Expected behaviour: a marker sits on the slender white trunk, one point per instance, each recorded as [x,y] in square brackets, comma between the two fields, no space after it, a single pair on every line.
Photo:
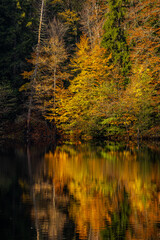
[35,70]
[89,29]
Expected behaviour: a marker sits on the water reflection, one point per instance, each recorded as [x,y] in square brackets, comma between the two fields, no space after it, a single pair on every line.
[113,194]
[85,192]
[15,220]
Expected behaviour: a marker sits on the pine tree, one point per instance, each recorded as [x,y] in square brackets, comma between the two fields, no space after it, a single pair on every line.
[114,37]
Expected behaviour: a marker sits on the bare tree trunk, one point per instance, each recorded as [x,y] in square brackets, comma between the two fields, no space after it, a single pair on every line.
[54,88]
[89,29]
[35,70]
[54,100]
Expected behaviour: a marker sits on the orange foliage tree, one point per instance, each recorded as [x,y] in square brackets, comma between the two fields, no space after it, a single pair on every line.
[143,36]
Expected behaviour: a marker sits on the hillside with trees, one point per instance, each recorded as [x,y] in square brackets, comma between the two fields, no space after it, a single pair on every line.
[82,70]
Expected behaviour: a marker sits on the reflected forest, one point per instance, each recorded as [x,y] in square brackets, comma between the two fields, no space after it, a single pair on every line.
[80,192]
[80,119]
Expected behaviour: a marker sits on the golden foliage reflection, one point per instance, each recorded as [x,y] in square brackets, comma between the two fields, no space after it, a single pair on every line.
[96,182]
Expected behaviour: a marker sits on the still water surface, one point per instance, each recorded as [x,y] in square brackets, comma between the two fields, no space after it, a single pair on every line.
[80,192]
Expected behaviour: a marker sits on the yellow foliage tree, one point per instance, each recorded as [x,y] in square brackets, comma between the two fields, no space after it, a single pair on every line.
[136,104]
[90,74]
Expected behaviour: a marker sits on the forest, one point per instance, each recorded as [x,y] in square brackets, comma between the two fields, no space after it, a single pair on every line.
[79,69]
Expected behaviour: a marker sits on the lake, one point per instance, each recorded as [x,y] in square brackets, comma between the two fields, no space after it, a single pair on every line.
[80,192]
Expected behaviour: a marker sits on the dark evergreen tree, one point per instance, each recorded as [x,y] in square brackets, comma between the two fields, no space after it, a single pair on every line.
[114,38]
[17,22]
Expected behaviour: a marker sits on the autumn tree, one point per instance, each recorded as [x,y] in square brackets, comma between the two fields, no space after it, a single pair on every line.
[91,72]
[92,18]
[51,75]
[136,104]
[144,40]
[143,18]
